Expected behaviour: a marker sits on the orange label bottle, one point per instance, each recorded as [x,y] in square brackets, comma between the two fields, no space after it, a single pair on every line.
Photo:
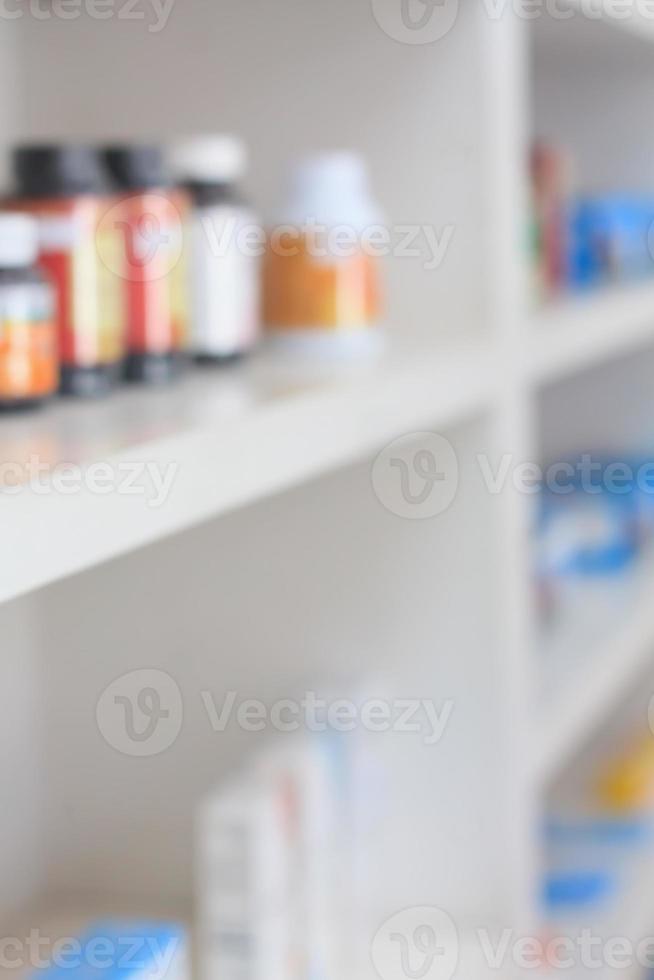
[149,260]
[321,286]
[64,188]
[29,362]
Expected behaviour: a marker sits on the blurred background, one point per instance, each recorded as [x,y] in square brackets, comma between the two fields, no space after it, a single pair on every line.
[326,489]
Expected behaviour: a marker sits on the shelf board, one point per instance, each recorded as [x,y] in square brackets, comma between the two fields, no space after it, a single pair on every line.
[230,437]
[580,332]
[587,673]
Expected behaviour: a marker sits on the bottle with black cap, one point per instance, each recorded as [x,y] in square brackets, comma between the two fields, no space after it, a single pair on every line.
[66,189]
[151,214]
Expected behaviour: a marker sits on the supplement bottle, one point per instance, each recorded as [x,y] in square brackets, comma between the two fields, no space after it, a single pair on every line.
[66,188]
[321,284]
[151,216]
[225,246]
[29,364]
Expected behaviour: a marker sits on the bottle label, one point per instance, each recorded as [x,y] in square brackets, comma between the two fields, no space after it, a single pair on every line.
[28,342]
[140,241]
[225,281]
[304,289]
[89,309]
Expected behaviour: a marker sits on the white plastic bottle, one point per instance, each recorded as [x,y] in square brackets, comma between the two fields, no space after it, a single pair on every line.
[223,260]
[321,273]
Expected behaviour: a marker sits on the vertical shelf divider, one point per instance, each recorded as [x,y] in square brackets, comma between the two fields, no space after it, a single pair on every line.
[506,135]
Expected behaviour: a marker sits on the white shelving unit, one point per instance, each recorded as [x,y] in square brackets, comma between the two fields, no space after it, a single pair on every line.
[589,673]
[272,564]
[263,428]
[574,335]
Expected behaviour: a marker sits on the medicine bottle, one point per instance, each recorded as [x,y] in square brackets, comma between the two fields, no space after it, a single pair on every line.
[151,215]
[29,365]
[66,189]
[321,280]
[226,243]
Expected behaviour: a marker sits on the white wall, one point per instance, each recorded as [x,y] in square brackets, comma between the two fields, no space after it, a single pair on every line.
[592,94]
[291,76]
[11,68]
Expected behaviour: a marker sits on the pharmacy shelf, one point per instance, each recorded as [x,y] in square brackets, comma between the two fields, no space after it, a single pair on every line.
[630,917]
[635,923]
[580,332]
[588,669]
[634,918]
[226,439]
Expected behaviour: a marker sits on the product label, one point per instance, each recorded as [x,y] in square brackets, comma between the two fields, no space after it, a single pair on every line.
[28,343]
[89,305]
[61,233]
[112,313]
[225,282]
[304,288]
[146,258]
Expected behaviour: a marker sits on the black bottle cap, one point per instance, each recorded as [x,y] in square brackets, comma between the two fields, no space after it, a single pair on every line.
[136,167]
[58,171]
[206,195]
